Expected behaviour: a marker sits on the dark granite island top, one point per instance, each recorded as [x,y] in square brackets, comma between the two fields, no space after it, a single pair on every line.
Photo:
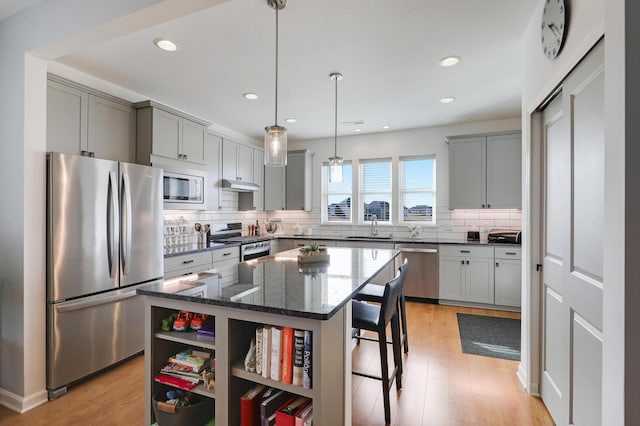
[278,284]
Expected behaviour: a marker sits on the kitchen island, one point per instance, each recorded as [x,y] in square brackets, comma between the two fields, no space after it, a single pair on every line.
[279,291]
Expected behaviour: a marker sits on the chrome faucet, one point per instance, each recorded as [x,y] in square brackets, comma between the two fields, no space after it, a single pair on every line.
[374,224]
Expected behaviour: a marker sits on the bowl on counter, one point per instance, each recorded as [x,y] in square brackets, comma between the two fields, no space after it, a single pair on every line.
[271,228]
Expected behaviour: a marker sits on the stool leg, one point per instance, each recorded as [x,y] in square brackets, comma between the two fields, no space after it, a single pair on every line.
[384,364]
[403,312]
[397,351]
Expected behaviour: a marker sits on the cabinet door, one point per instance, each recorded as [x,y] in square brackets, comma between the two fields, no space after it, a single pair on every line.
[504,171]
[192,148]
[451,278]
[507,282]
[281,245]
[258,178]
[298,181]
[245,163]
[67,110]
[274,188]
[112,129]
[479,280]
[167,130]
[229,160]
[212,155]
[467,174]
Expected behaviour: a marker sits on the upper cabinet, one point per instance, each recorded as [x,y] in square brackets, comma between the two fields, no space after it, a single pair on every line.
[212,159]
[86,122]
[165,132]
[254,200]
[485,172]
[237,161]
[290,187]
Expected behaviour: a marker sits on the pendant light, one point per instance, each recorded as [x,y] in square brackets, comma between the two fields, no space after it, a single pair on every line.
[335,162]
[275,137]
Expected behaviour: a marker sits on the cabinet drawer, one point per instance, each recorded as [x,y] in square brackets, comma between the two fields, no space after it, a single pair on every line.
[187,261]
[466,251]
[226,253]
[508,252]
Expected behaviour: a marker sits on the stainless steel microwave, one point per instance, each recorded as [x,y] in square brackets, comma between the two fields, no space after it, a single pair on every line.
[184,189]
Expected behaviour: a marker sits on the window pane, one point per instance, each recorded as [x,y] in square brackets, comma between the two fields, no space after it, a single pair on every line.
[418,174]
[338,207]
[418,207]
[377,204]
[376,176]
[345,185]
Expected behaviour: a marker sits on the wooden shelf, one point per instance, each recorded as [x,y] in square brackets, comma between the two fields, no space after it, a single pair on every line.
[237,370]
[186,337]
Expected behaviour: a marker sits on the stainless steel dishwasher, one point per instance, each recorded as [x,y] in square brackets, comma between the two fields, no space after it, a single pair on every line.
[422,278]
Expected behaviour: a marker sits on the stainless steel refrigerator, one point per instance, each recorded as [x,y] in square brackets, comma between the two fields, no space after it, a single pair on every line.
[104,240]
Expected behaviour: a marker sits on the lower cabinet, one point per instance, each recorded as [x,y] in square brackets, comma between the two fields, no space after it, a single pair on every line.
[192,263]
[508,276]
[466,274]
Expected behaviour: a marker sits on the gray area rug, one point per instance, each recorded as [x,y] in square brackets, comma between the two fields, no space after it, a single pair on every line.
[490,336]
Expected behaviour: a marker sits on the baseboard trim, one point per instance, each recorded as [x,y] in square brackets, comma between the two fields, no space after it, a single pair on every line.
[21,404]
[532,389]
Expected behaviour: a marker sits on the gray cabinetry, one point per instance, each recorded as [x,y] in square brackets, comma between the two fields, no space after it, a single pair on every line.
[212,157]
[507,276]
[253,200]
[237,161]
[485,171]
[274,188]
[165,132]
[299,174]
[84,122]
[466,274]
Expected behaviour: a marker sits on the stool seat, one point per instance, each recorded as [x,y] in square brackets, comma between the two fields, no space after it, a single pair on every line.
[364,315]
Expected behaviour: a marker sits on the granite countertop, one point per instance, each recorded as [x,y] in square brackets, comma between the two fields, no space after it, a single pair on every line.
[278,284]
[195,248]
[399,240]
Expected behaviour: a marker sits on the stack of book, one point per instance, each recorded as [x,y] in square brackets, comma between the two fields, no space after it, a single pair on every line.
[186,369]
[284,354]
[269,406]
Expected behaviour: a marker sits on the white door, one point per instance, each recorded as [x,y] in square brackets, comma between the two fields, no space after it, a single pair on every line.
[573,206]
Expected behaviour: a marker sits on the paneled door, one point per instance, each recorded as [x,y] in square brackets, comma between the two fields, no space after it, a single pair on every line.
[573,208]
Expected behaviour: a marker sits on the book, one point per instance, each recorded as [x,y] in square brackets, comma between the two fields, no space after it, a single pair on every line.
[195,380]
[305,415]
[266,351]
[287,355]
[259,350]
[307,367]
[191,358]
[271,400]
[250,405]
[298,349]
[276,353]
[173,368]
[174,381]
[196,368]
[286,414]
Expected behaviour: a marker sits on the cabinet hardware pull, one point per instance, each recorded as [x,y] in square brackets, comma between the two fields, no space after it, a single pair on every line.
[465,251]
[462,262]
[511,253]
[483,206]
[187,273]
[488,206]
[497,264]
[467,262]
[538,267]
[187,261]
[185,156]
[226,254]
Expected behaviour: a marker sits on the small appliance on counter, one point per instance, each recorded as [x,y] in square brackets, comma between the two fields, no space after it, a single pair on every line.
[508,236]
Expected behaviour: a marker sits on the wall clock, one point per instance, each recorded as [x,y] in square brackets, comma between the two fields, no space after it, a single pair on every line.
[553,28]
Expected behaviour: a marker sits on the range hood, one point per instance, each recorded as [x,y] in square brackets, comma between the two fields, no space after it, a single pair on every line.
[240,186]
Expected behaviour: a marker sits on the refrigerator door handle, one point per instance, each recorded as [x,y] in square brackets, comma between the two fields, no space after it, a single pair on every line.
[84,304]
[126,217]
[112,223]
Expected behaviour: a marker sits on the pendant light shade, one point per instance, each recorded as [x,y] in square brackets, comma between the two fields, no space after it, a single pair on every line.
[335,162]
[275,137]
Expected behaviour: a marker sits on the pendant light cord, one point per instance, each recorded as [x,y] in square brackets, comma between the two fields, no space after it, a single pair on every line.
[276,118]
[335,130]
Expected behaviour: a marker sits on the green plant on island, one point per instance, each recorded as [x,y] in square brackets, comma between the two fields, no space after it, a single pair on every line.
[313,249]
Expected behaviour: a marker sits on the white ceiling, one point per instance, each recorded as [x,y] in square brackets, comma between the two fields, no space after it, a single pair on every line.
[386,50]
[11,7]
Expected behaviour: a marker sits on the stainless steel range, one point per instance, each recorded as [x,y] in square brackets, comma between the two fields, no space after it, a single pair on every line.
[251,247]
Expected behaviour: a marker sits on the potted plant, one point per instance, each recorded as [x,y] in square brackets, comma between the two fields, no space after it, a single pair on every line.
[313,253]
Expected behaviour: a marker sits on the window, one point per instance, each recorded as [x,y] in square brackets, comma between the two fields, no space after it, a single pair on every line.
[337,196]
[375,190]
[417,189]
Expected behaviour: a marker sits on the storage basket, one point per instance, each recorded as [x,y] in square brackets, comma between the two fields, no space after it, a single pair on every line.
[196,414]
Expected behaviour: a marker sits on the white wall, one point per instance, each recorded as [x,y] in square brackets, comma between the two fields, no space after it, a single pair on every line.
[589,18]
[42,32]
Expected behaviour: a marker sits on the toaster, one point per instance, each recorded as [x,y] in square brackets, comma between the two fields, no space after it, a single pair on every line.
[508,236]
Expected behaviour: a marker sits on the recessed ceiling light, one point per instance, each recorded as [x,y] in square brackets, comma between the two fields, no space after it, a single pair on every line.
[250,96]
[449,61]
[165,44]
[357,130]
[290,120]
[385,127]
[447,100]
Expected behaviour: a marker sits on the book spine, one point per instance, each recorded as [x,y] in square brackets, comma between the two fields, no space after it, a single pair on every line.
[276,353]
[298,357]
[193,367]
[259,350]
[266,351]
[287,355]
[307,375]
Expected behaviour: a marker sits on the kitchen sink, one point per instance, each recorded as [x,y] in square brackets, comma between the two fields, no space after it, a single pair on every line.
[354,237]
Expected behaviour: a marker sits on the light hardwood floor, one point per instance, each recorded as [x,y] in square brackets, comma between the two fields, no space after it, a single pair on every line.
[441,385]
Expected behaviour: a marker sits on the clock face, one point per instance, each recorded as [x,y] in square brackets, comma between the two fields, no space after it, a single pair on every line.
[552,29]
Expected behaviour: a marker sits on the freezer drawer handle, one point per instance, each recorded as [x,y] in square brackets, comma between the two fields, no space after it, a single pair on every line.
[416,250]
[510,253]
[187,261]
[226,254]
[81,304]
[465,251]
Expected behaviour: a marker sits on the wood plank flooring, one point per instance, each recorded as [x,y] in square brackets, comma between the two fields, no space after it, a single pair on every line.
[441,385]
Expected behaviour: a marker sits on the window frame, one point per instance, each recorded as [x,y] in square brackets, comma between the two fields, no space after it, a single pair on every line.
[362,193]
[402,191]
[325,193]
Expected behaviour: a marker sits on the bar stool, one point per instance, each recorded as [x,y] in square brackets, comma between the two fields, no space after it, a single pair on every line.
[374,292]
[376,318]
